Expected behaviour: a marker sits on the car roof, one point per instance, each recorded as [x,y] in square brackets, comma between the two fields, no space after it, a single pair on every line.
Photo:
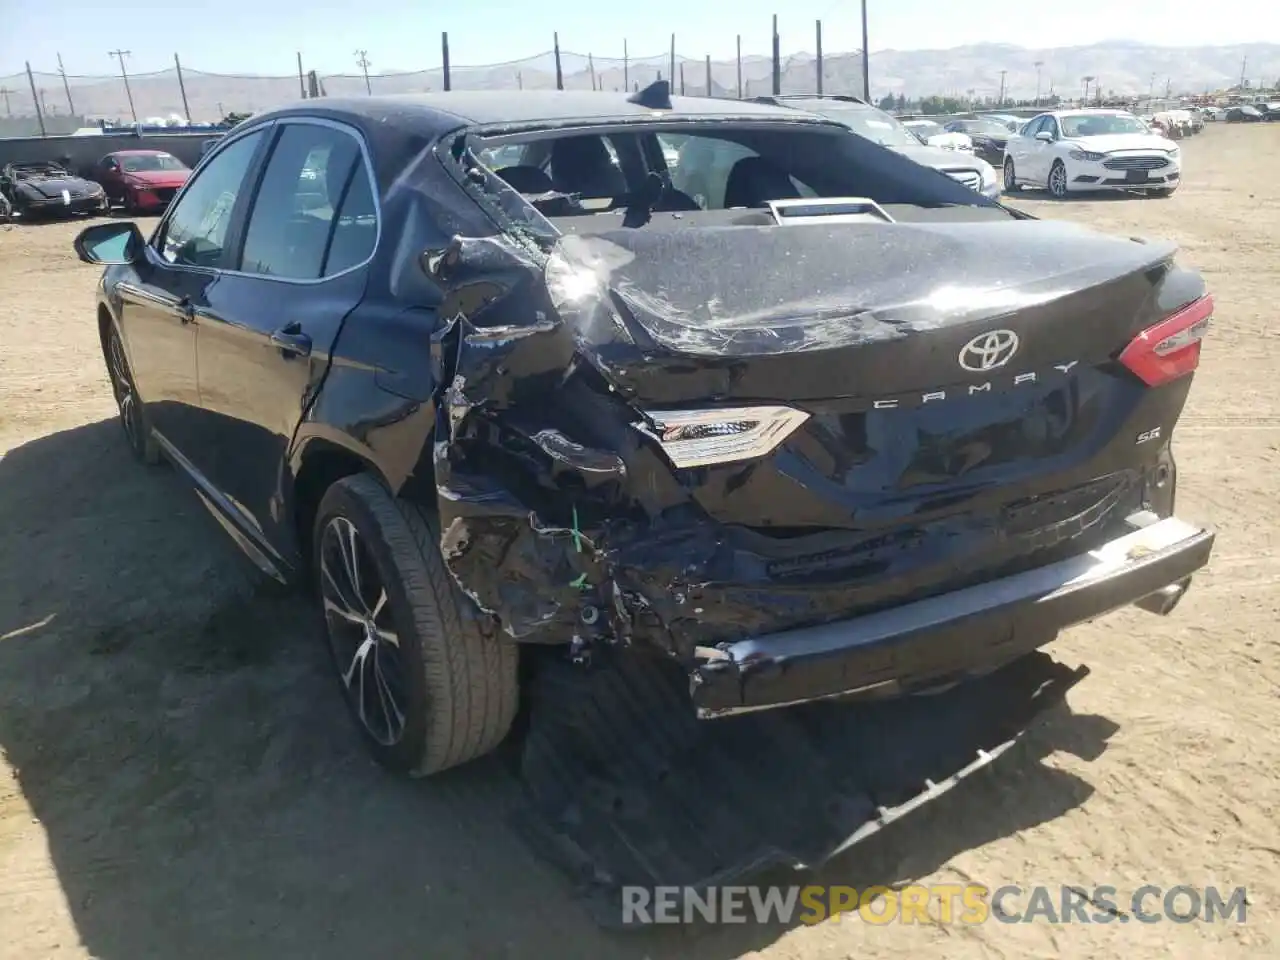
[138,153]
[444,111]
[1085,112]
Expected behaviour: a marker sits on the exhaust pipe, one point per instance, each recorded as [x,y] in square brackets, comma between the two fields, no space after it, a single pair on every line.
[1165,599]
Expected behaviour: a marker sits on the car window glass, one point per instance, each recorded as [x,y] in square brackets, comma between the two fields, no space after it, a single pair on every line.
[356,227]
[294,210]
[197,229]
[704,166]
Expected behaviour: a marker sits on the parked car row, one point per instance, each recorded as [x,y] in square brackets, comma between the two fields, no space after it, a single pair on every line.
[138,181]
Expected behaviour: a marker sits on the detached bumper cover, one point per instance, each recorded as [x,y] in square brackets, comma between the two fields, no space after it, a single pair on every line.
[949,636]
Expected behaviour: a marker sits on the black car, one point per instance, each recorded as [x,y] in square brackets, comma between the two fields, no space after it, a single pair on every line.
[1244,114]
[990,137]
[43,188]
[852,430]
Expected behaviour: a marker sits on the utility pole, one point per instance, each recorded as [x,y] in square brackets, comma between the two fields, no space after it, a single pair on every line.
[4,92]
[1039,64]
[777,60]
[866,57]
[818,30]
[1151,89]
[1168,88]
[182,89]
[671,73]
[1000,102]
[35,99]
[1244,62]
[124,75]
[362,61]
[739,66]
[71,107]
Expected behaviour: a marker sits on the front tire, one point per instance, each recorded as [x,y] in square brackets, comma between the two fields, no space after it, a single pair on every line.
[132,413]
[1058,180]
[1163,193]
[1010,177]
[428,688]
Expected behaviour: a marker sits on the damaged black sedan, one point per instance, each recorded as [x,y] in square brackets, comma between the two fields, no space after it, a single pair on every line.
[471,365]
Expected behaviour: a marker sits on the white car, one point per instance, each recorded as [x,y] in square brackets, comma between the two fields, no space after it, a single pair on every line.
[933,135]
[1070,151]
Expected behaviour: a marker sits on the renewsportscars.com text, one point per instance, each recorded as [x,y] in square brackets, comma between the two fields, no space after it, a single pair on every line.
[967,904]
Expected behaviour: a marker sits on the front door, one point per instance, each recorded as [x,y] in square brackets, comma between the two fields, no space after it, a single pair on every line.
[265,343]
[161,306]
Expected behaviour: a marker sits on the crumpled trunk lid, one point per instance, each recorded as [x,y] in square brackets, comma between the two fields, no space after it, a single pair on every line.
[868,311]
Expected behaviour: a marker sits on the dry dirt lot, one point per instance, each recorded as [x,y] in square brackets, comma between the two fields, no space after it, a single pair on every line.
[179,780]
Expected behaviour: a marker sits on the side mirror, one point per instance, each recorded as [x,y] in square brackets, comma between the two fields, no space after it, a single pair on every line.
[109,243]
[1044,136]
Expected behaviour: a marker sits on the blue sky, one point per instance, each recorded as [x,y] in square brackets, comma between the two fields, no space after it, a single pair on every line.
[261,36]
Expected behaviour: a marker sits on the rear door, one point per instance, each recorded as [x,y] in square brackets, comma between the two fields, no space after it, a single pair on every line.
[301,266]
[173,287]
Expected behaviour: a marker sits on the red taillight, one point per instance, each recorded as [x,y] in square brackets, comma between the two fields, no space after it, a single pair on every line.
[1171,348]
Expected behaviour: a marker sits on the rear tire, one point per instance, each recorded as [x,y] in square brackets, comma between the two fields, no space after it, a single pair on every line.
[431,689]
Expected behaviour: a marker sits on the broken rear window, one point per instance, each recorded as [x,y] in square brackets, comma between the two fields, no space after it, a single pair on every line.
[698,168]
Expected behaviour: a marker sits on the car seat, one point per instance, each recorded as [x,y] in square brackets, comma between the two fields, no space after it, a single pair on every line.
[582,165]
[754,181]
[526,179]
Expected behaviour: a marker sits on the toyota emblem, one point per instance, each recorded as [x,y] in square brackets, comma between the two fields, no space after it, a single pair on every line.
[989,351]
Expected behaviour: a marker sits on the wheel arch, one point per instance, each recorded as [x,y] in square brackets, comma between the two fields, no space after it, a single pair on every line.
[321,457]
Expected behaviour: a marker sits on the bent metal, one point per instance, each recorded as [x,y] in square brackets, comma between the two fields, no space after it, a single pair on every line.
[1018,380]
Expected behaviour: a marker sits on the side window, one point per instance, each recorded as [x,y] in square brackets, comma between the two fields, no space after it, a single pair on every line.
[297,205]
[1051,125]
[196,231]
[356,228]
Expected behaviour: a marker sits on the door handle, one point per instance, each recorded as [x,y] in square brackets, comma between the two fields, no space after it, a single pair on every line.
[291,341]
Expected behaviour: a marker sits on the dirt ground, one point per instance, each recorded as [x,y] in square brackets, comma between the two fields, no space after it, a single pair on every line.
[179,779]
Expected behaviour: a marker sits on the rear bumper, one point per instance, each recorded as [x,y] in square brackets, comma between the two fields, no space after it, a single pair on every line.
[951,636]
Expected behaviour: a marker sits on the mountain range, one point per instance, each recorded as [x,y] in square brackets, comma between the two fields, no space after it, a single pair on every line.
[1119,67]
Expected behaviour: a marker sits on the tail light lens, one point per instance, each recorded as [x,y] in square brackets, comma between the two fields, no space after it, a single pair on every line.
[1171,348]
[698,438]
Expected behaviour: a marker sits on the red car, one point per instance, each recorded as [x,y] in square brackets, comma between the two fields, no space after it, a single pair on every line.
[143,181]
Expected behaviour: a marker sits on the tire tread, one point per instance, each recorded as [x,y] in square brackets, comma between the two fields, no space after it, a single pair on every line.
[471,676]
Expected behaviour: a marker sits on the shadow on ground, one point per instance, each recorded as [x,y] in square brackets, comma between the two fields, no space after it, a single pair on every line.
[183,745]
